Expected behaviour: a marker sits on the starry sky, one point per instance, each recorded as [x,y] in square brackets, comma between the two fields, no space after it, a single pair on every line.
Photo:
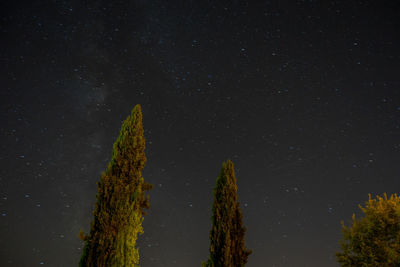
[303,96]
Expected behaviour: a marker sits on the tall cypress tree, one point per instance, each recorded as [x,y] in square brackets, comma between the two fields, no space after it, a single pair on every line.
[121,200]
[227,247]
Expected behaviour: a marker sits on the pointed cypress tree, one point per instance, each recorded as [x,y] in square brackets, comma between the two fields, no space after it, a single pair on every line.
[227,247]
[121,200]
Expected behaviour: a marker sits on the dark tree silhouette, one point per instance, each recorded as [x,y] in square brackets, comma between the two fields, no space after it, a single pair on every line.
[227,247]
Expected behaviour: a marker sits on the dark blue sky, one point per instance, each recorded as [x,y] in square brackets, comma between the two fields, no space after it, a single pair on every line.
[303,96]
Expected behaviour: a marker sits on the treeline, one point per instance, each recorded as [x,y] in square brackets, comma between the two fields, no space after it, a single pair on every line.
[373,240]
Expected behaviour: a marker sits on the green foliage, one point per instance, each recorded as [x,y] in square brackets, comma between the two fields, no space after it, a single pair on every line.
[121,201]
[373,240]
[227,247]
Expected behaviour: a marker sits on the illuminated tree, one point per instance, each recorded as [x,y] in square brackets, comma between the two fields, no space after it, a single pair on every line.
[121,200]
[373,240]
[227,247]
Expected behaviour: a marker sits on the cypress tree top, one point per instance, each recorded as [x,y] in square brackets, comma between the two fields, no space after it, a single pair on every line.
[121,200]
[227,247]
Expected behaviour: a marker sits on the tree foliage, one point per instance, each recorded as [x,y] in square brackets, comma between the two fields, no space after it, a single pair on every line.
[373,240]
[121,201]
[227,247]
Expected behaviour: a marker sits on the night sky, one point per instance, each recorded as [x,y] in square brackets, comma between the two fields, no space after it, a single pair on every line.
[303,96]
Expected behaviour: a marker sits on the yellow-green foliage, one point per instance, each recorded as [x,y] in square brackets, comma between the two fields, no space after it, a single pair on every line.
[227,247]
[373,240]
[121,198]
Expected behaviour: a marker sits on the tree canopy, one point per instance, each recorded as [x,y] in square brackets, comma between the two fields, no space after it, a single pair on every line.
[121,201]
[373,240]
[227,247]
